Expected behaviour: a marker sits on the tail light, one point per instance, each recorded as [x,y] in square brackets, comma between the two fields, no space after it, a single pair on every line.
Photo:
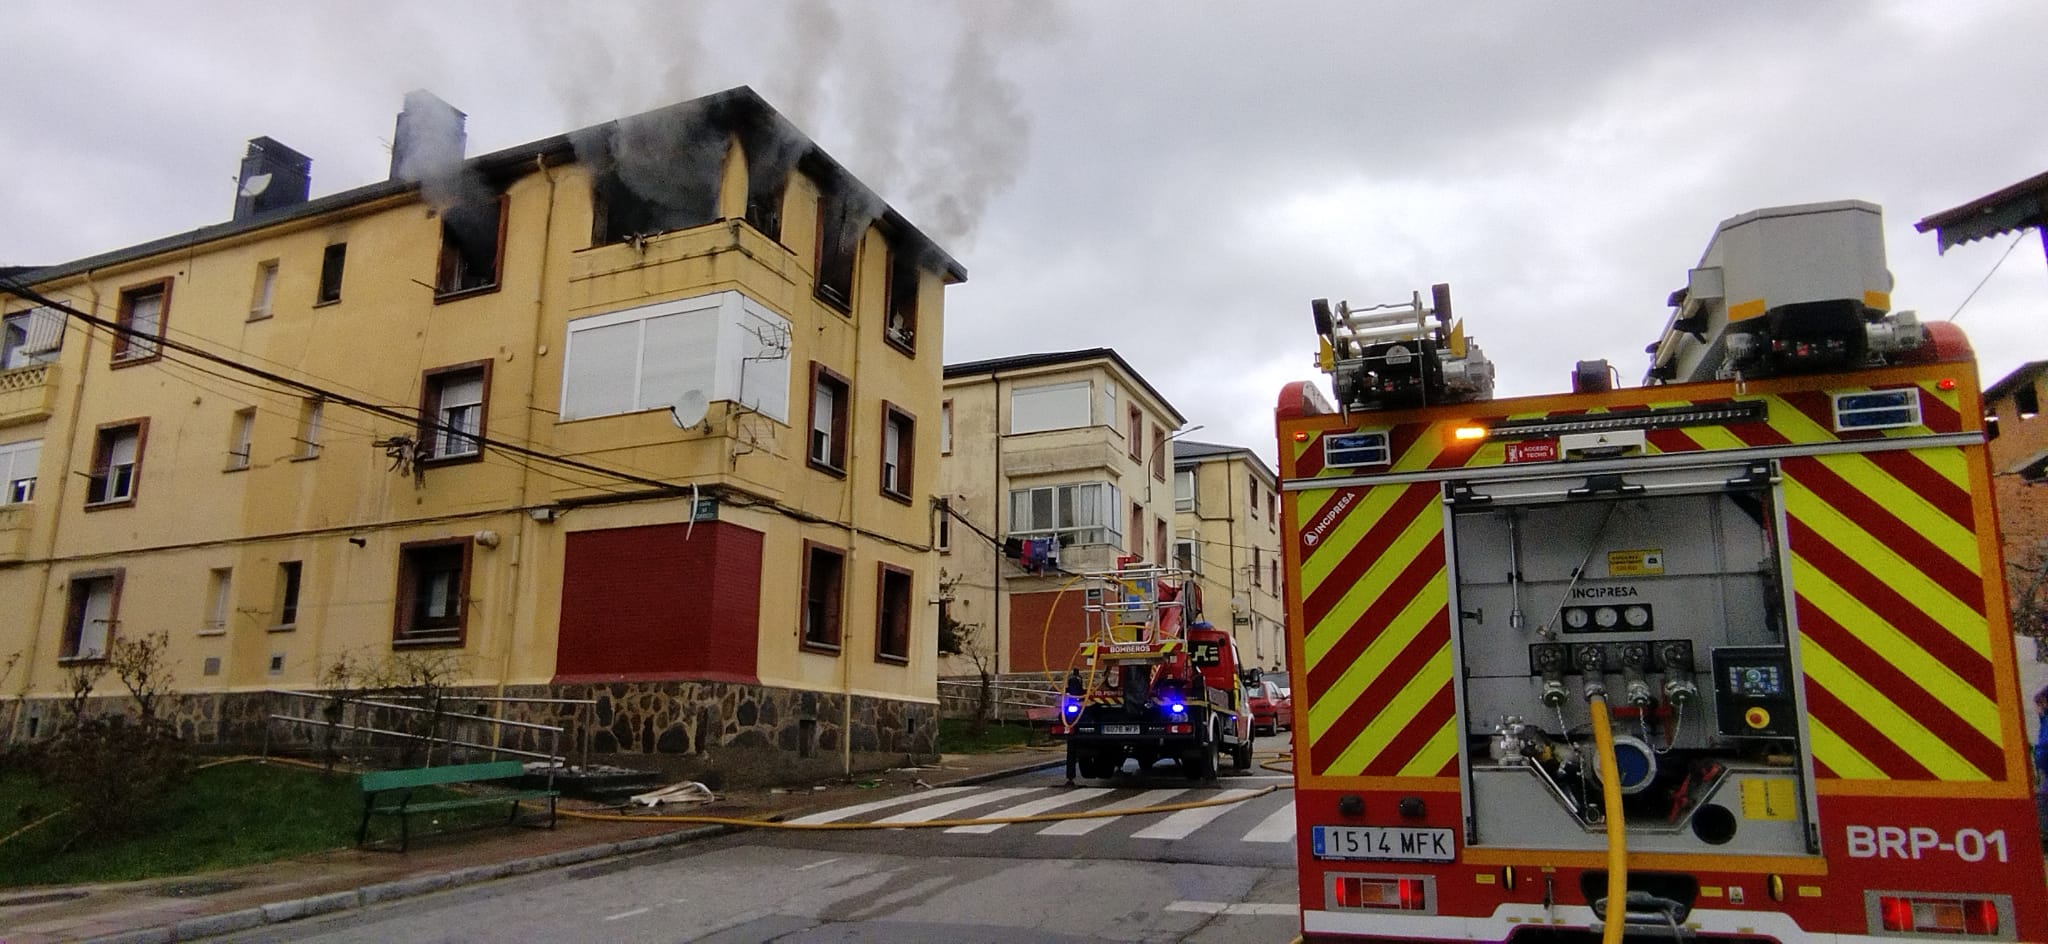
[1947,915]
[1360,893]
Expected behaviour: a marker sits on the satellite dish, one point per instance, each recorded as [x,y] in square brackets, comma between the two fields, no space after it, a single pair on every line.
[255,185]
[690,408]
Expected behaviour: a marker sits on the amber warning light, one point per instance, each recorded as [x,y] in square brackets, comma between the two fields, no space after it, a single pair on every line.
[1469,433]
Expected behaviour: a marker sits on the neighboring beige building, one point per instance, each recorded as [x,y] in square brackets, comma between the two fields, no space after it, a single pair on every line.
[666,436]
[1072,445]
[2019,479]
[1227,530]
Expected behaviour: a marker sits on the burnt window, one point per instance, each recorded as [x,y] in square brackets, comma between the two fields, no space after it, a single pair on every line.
[472,247]
[2026,401]
[824,594]
[899,449]
[892,615]
[831,402]
[433,582]
[288,575]
[116,464]
[142,315]
[900,328]
[452,411]
[331,264]
[838,243]
[656,173]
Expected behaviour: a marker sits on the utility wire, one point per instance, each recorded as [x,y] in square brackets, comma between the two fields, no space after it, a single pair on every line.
[1987,276]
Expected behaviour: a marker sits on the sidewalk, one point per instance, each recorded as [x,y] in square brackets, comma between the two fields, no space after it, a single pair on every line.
[184,908]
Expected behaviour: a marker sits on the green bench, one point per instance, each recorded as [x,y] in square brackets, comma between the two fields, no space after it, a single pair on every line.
[389,793]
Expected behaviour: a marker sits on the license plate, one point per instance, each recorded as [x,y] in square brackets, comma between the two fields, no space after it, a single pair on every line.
[1397,843]
[1121,728]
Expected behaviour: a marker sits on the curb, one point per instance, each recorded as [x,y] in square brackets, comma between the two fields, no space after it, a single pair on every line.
[316,905]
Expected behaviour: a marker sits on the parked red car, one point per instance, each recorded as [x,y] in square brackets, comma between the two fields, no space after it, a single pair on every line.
[1272,708]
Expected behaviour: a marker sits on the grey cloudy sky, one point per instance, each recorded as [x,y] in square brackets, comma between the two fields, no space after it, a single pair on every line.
[1171,179]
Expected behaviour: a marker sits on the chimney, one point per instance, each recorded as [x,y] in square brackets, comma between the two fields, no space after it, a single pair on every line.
[273,177]
[430,137]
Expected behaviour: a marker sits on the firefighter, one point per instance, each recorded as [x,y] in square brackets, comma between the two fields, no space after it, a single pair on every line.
[1074,690]
[2041,760]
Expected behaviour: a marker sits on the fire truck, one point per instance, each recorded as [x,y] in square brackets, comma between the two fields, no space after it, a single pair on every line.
[1720,657]
[1154,680]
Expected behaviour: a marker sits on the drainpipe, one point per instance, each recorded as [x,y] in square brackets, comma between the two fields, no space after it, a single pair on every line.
[28,663]
[852,537]
[528,528]
[1001,501]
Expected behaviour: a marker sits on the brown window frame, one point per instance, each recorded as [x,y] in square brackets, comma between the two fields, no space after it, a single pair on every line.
[1137,531]
[404,634]
[1134,430]
[837,605]
[1159,453]
[74,615]
[432,382]
[898,630]
[1162,539]
[443,269]
[906,461]
[899,308]
[101,447]
[335,255]
[124,317]
[834,463]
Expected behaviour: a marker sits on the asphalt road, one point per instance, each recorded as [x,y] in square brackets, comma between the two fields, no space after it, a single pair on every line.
[1215,874]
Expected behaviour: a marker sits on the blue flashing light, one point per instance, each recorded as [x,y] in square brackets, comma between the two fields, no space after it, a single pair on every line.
[1073,708]
[1179,708]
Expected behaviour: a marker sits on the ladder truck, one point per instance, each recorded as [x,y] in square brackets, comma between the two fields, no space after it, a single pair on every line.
[1153,680]
[1721,657]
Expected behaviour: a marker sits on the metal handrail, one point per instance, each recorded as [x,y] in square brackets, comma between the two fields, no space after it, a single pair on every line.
[554,757]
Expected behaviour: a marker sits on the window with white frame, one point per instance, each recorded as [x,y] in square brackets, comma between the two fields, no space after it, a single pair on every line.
[219,596]
[1184,490]
[946,428]
[141,316]
[1049,406]
[831,402]
[241,437]
[1081,513]
[310,410]
[1109,403]
[1187,555]
[899,447]
[91,614]
[452,411]
[116,464]
[266,290]
[28,338]
[18,471]
[723,346]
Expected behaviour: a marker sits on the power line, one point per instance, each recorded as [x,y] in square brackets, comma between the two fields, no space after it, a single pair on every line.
[1987,276]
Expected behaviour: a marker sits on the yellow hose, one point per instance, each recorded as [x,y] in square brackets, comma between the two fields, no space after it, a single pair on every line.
[1617,832]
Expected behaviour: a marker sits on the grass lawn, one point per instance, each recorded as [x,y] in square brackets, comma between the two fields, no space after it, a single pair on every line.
[956,736]
[233,814]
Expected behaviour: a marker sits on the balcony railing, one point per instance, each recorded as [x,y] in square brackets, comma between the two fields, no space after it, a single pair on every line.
[26,393]
[16,521]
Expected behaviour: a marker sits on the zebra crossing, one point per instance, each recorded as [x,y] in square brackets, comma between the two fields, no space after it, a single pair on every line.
[1259,819]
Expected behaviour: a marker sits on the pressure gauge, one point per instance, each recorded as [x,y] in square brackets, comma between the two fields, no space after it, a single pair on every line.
[1606,617]
[1575,618]
[1636,616]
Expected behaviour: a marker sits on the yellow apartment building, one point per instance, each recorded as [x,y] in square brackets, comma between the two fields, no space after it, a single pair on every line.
[1072,445]
[646,413]
[1226,529]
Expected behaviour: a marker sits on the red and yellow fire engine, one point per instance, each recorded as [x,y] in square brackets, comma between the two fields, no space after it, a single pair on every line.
[1721,657]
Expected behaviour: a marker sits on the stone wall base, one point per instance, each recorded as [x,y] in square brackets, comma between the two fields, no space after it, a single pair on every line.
[724,734]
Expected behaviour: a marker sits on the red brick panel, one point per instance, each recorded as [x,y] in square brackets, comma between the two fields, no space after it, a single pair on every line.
[1037,647]
[660,602]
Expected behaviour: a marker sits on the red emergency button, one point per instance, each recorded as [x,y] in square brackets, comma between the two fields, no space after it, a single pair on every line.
[1757,718]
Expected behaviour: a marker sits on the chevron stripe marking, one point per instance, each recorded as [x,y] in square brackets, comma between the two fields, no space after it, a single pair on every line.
[1374,643]
[1396,526]
[1872,746]
[1889,721]
[1387,590]
[1938,476]
[1392,718]
[1815,494]
[1912,510]
[1961,641]
[1365,691]
[1959,716]
[1410,746]
[1845,762]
